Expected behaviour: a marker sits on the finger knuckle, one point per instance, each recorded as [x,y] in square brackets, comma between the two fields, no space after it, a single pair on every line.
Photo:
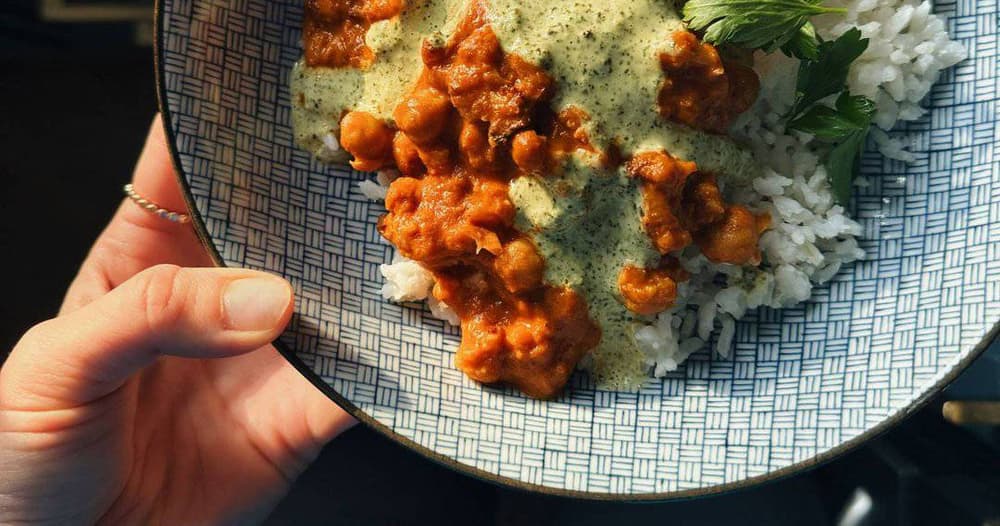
[162,296]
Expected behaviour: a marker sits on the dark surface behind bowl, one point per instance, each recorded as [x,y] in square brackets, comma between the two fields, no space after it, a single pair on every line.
[75,102]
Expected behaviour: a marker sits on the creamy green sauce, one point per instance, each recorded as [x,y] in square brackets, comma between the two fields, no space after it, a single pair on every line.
[604,56]
[602,53]
[321,95]
[587,225]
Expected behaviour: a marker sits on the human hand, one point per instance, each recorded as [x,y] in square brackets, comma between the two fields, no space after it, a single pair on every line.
[155,396]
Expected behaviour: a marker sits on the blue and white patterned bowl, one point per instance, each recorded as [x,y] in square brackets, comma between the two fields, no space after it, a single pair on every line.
[803,385]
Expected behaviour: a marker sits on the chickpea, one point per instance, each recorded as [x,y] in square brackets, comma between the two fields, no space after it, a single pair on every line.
[480,355]
[519,266]
[647,291]
[481,47]
[436,158]
[422,116]
[660,167]
[490,207]
[664,228]
[367,138]
[735,239]
[403,196]
[373,10]
[528,151]
[475,145]
[524,335]
[702,202]
[407,156]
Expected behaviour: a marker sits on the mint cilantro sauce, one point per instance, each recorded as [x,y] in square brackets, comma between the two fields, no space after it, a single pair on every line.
[604,56]
[586,222]
[321,95]
[587,225]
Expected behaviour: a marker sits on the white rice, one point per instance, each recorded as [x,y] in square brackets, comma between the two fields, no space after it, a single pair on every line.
[442,311]
[372,190]
[811,237]
[376,190]
[406,280]
[329,151]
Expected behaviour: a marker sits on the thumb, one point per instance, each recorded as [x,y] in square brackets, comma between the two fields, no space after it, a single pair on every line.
[164,310]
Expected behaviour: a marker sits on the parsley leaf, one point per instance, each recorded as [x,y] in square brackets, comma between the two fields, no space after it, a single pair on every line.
[754,24]
[827,74]
[847,126]
[843,164]
[852,113]
[804,45]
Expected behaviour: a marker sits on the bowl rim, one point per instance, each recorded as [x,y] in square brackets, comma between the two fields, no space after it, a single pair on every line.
[889,422]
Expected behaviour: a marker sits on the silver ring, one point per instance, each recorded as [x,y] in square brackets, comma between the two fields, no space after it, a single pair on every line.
[154,208]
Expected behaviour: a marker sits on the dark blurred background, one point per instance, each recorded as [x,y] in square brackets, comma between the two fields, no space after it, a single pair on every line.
[76,97]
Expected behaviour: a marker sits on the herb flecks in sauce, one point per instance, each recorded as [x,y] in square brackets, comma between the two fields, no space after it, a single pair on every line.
[322,95]
[587,225]
[604,56]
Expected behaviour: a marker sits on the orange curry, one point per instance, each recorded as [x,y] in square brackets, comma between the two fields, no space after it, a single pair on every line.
[479,117]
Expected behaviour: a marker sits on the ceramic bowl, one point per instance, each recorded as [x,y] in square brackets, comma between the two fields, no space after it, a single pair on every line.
[801,386]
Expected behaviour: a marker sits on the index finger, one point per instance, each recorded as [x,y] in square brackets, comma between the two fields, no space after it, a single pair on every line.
[136,239]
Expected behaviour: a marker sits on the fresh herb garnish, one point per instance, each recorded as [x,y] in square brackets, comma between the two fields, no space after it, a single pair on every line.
[804,45]
[843,164]
[851,113]
[757,24]
[846,126]
[827,74]
[784,24]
